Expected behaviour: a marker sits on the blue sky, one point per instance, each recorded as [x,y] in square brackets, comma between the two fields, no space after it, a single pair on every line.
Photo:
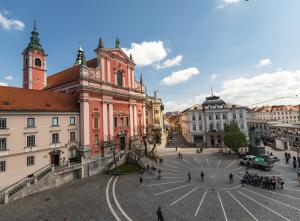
[247,51]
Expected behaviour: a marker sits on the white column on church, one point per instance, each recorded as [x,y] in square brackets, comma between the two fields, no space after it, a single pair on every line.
[135,119]
[144,117]
[102,69]
[111,121]
[129,76]
[105,121]
[108,70]
[131,121]
[84,123]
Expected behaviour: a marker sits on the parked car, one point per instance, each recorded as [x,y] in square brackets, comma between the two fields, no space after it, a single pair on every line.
[269,158]
[256,161]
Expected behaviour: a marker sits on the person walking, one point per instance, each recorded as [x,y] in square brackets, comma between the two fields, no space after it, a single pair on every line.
[179,155]
[189,177]
[202,175]
[159,174]
[159,214]
[230,178]
[141,181]
[176,148]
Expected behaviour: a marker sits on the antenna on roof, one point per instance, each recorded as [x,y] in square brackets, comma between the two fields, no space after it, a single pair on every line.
[212,92]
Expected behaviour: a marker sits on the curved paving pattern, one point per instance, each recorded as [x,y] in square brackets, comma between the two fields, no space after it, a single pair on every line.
[214,198]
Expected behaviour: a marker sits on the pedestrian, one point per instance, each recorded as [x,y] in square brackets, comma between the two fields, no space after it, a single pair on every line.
[202,175]
[141,180]
[201,150]
[179,155]
[159,173]
[286,160]
[294,164]
[230,178]
[189,177]
[281,183]
[159,214]
[176,148]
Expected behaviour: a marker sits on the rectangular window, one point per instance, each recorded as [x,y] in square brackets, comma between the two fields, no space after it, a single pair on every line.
[2,166]
[31,141]
[193,117]
[200,126]
[96,139]
[218,126]
[30,161]
[127,121]
[72,121]
[55,138]
[234,116]
[30,122]
[224,116]
[210,117]
[121,122]
[72,136]
[96,126]
[199,117]
[2,123]
[115,122]
[54,121]
[217,117]
[211,126]
[241,115]
[2,144]
[194,127]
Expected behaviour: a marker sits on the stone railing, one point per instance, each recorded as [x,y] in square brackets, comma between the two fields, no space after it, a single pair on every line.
[12,190]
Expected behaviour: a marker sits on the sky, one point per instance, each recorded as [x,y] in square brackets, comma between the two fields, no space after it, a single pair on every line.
[246,52]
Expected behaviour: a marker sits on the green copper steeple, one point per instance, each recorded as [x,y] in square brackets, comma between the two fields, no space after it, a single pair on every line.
[80,59]
[34,43]
[117,43]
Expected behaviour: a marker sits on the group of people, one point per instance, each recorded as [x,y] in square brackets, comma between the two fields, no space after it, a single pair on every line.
[180,155]
[288,157]
[262,181]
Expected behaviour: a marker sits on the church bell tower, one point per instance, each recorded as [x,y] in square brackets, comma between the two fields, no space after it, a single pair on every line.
[34,63]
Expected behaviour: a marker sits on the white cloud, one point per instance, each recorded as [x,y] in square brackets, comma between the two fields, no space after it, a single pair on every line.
[220,6]
[260,88]
[231,1]
[3,84]
[173,106]
[213,77]
[147,53]
[170,62]
[264,62]
[9,77]
[9,24]
[180,76]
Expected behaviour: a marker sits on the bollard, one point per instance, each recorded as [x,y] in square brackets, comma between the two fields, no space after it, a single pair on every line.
[6,197]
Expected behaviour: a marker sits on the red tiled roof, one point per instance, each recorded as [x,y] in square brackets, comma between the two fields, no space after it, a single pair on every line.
[68,75]
[19,99]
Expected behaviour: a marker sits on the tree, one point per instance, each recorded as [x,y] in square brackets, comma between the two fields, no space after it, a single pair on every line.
[234,138]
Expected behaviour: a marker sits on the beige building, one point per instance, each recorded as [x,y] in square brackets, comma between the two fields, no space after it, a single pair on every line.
[37,128]
[154,116]
[288,114]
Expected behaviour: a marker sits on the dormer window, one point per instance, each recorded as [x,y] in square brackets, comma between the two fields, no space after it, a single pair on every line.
[37,62]
[119,79]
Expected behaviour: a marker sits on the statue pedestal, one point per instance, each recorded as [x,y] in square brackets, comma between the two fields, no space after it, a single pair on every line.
[257,150]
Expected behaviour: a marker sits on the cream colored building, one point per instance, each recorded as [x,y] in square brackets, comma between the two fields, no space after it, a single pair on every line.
[154,115]
[37,128]
[288,114]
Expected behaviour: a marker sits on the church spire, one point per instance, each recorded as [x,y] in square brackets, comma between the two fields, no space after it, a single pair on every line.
[141,78]
[34,43]
[101,44]
[117,43]
[80,59]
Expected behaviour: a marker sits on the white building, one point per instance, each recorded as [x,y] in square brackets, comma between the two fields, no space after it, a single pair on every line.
[203,125]
[288,114]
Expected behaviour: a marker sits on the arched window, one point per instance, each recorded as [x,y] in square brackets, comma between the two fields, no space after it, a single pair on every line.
[37,62]
[119,79]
